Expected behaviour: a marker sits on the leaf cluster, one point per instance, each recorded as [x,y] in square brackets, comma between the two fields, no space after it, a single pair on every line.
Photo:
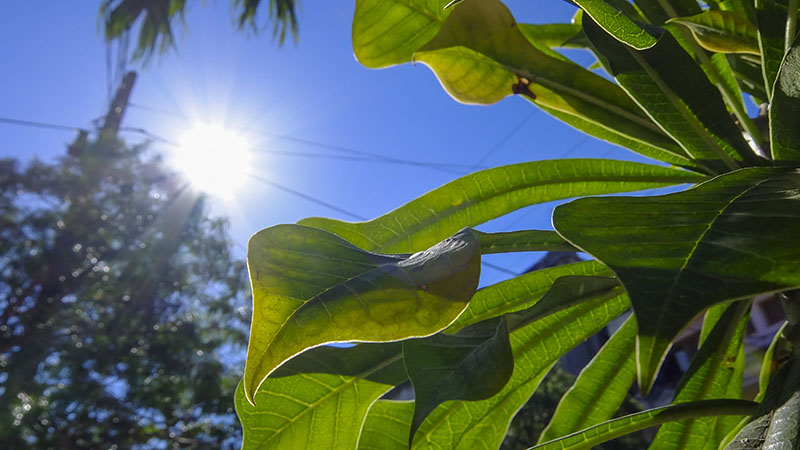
[403,285]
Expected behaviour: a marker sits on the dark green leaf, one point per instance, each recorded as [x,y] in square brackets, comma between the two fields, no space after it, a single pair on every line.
[482,424]
[722,31]
[566,292]
[680,253]
[785,108]
[311,287]
[474,364]
[387,426]
[485,195]
[320,398]
[388,32]
[771,19]
[708,377]
[634,422]
[600,388]
[677,94]
[522,241]
[521,292]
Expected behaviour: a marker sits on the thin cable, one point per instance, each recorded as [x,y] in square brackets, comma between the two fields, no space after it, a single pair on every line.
[498,268]
[34,124]
[503,140]
[457,169]
[306,197]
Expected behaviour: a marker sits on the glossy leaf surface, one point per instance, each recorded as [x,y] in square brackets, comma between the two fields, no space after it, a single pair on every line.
[785,108]
[674,90]
[680,253]
[320,398]
[311,287]
[600,388]
[485,195]
[474,364]
[722,31]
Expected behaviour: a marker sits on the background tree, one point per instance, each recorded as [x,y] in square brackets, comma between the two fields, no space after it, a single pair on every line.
[155,32]
[121,305]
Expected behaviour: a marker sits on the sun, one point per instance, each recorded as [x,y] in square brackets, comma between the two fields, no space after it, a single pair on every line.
[214,159]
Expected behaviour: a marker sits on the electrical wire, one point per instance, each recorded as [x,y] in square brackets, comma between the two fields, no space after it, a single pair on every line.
[505,138]
[35,124]
[310,198]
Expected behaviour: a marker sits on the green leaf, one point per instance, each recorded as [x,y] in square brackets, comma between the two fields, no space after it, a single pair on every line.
[521,292]
[680,253]
[771,21]
[774,354]
[600,388]
[676,93]
[554,34]
[482,424]
[722,31]
[785,108]
[777,422]
[567,291]
[485,195]
[617,24]
[320,398]
[388,32]
[708,377]
[474,364]
[639,421]
[311,287]
[522,241]
[387,425]
[480,56]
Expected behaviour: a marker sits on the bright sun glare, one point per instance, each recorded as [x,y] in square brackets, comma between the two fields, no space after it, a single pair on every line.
[214,159]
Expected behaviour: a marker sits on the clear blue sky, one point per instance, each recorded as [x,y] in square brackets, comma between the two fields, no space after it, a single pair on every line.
[54,70]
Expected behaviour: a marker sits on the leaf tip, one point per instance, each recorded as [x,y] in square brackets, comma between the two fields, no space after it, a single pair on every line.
[650,353]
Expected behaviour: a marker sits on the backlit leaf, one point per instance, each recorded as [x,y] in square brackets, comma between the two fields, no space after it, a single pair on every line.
[522,241]
[387,425]
[617,23]
[680,253]
[473,364]
[485,195]
[320,398]
[600,388]
[311,287]
[722,31]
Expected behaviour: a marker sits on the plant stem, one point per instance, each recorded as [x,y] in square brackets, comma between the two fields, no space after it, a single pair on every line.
[730,97]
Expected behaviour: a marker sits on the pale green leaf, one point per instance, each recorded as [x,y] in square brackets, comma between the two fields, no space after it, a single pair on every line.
[722,31]
[680,253]
[485,195]
[311,287]
[387,426]
[600,388]
[617,24]
[480,56]
[388,32]
[320,398]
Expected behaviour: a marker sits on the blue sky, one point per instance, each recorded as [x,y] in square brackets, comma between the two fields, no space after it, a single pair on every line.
[54,70]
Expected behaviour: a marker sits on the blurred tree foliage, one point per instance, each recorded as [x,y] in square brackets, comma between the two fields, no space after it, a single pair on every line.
[153,20]
[122,307]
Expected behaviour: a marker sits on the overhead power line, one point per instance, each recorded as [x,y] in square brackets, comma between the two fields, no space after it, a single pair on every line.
[505,138]
[306,197]
[35,124]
